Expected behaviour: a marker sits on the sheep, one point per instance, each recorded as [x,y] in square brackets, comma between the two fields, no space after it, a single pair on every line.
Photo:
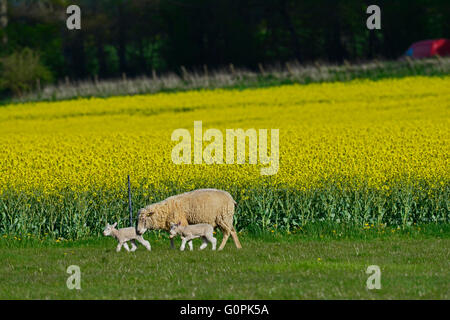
[187,233]
[212,206]
[124,235]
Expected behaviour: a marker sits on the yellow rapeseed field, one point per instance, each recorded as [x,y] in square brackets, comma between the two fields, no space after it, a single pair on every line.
[360,132]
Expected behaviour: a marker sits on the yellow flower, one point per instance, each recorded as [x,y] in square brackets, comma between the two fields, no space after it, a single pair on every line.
[373,133]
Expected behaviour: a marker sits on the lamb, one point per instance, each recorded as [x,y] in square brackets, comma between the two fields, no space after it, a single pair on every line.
[124,235]
[212,206]
[187,233]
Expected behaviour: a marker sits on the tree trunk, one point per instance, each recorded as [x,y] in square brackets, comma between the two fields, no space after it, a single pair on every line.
[4,20]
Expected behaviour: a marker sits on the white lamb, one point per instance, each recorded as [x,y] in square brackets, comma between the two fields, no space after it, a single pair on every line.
[187,233]
[124,235]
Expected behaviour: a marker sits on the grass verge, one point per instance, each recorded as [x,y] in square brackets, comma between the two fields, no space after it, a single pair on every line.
[270,266]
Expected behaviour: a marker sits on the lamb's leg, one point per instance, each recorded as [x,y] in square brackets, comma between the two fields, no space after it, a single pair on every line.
[235,238]
[183,244]
[187,240]
[183,221]
[133,245]
[119,246]
[213,241]
[125,245]
[204,244]
[144,242]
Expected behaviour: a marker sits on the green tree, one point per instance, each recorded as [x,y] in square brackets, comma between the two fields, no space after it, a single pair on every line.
[21,71]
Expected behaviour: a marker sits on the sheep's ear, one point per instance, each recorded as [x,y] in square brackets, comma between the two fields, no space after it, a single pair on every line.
[115,224]
[179,223]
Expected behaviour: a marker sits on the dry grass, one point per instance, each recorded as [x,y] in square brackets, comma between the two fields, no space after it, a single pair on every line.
[232,77]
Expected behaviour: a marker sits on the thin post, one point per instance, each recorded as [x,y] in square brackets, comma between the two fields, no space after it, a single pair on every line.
[184,72]
[289,69]
[129,202]
[261,68]
[233,71]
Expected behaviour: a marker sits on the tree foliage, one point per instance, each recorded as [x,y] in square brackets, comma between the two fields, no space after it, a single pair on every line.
[22,71]
[136,37]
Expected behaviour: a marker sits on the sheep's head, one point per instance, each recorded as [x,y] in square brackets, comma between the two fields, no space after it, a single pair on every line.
[174,229]
[145,220]
[109,228]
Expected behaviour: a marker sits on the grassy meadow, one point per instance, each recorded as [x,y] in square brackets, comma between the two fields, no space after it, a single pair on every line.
[412,265]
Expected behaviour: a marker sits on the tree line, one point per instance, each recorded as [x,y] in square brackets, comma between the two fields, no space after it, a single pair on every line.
[136,37]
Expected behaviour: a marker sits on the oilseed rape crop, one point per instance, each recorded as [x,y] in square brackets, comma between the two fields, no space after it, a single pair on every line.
[356,152]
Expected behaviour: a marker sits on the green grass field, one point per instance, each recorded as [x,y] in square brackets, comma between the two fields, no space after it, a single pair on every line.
[414,264]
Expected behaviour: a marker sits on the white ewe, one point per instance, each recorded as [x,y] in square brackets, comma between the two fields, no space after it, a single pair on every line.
[212,206]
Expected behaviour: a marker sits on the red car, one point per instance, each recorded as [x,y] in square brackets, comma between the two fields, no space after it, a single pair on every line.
[429,48]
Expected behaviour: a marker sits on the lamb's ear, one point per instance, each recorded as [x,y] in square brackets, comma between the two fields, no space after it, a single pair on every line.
[114,225]
[179,223]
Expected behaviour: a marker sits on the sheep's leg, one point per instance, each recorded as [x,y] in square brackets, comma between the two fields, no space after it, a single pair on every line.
[226,235]
[133,245]
[235,238]
[119,246]
[190,245]
[145,243]
[125,245]
[204,244]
